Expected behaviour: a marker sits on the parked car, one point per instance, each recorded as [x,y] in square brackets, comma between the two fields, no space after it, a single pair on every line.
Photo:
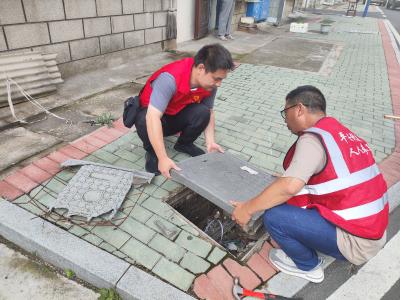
[392,4]
[377,2]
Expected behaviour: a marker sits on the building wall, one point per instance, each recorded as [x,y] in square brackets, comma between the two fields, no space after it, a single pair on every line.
[80,29]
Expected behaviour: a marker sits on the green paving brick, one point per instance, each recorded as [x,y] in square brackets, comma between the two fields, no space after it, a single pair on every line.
[174,274]
[78,231]
[116,237]
[45,198]
[141,214]
[93,239]
[171,185]
[65,175]
[216,255]
[160,193]
[173,230]
[141,253]
[107,247]
[123,163]
[35,191]
[137,230]
[194,244]
[194,264]
[55,185]
[177,219]
[24,199]
[111,148]
[105,156]
[93,158]
[169,249]
[190,229]
[137,196]
[119,254]
[127,155]
[159,207]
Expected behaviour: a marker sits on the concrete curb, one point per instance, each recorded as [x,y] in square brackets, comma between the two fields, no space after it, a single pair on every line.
[89,262]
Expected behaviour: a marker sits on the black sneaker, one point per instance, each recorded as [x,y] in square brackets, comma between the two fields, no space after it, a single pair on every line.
[190,149]
[151,165]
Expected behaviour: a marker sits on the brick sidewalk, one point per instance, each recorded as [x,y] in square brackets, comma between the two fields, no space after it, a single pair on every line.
[358,91]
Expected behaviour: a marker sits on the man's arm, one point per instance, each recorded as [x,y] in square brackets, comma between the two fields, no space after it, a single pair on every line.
[209,134]
[280,191]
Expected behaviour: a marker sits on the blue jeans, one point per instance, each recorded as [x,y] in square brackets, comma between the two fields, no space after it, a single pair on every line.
[300,233]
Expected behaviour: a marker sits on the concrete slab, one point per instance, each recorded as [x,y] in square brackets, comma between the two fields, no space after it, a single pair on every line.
[26,142]
[59,247]
[131,287]
[221,178]
[39,281]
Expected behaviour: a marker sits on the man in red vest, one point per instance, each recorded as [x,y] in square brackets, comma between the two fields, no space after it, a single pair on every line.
[331,197]
[179,97]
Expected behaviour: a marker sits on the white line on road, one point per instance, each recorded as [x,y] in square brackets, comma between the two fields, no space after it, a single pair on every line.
[376,277]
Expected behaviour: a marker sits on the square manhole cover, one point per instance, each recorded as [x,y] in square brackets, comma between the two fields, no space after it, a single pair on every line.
[221,178]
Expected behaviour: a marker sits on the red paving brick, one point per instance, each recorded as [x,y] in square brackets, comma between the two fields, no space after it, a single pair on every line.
[222,281]
[204,289]
[73,152]
[119,125]
[111,132]
[48,165]
[58,157]
[247,278]
[35,173]
[84,146]
[94,141]
[265,250]
[20,181]
[261,267]
[9,192]
[102,136]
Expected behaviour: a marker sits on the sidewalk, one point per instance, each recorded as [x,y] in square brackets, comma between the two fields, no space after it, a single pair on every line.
[359,92]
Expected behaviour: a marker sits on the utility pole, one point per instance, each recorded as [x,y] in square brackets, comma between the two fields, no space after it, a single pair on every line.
[366,8]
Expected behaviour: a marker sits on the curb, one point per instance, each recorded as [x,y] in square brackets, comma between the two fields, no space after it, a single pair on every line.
[89,262]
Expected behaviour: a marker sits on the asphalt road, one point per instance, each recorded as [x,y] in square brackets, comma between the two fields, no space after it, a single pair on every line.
[393,16]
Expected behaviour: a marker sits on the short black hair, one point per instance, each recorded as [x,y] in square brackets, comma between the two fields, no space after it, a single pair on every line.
[214,57]
[309,96]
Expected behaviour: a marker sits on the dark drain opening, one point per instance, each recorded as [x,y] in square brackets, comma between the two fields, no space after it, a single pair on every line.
[217,224]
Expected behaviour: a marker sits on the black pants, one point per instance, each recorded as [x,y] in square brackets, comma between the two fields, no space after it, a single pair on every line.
[190,121]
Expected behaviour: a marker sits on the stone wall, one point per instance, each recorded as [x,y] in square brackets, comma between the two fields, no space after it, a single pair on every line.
[80,29]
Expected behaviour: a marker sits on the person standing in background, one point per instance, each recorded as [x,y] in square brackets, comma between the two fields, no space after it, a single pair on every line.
[225,19]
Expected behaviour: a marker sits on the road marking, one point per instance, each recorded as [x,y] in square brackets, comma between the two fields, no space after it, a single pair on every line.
[381,273]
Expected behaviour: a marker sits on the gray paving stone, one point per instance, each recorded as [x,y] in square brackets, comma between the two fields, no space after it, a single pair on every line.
[140,253]
[109,7]
[111,43]
[26,35]
[194,244]
[75,9]
[169,249]
[194,264]
[130,287]
[153,35]
[61,31]
[11,12]
[97,26]
[174,274]
[137,230]
[216,255]
[143,21]
[122,23]
[114,236]
[43,10]
[85,48]
[132,6]
[49,242]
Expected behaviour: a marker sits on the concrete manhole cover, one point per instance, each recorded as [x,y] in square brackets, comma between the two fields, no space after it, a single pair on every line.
[95,191]
[300,54]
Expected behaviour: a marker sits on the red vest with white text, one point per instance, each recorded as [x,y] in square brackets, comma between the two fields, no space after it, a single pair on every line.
[181,71]
[350,192]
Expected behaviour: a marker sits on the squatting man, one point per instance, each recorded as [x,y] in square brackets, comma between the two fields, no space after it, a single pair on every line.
[331,197]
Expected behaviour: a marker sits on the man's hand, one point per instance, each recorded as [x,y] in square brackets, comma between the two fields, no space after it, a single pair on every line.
[240,214]
[166,164]
[214,147]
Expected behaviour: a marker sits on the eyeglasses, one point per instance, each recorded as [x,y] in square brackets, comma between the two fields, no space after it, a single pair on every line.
[283,111]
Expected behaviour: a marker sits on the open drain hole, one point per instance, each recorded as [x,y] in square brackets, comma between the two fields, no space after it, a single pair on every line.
[216,223]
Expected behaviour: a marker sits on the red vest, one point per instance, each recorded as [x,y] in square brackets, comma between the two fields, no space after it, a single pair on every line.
[350,192]
[181,71]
